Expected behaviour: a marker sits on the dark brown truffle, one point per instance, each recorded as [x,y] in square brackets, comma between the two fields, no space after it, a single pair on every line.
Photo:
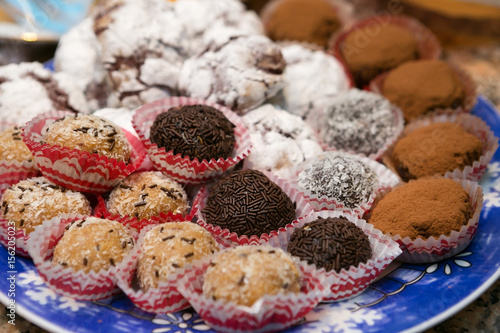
[435,149]
[196,131]
[331,243]
[418,87]
[368,54]
[248,203]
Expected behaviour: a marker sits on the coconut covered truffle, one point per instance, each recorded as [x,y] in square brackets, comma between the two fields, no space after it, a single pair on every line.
[13,148]
[89,133]
[170,246]
[147,194]
[93,244]
[331,243]
[358,120]
[32,201]
[196,131]
[341,176]
[246,273]
[248,203]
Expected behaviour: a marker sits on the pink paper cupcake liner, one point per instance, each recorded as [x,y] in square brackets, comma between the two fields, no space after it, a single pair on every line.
[13,239]
[74,169]
[471,124]
[186,170]
[65,281]
[428,45]
[270,313]
[386,180]
[377,84]
[163,299]
[422,251]
[303,208]
[351,282]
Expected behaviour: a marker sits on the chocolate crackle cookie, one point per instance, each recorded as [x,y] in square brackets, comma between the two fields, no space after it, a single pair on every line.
[239,74]
[28,89]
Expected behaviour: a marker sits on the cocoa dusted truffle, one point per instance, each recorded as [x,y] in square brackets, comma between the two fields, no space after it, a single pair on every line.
[92,244]
[248,203]
[435,149]
[332,243]
[196,131]
[246,273]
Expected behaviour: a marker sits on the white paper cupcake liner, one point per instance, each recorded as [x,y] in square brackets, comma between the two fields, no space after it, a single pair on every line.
[186,170]
[471,124]
[75,169]
[302,209]
[351,282]
[65,281]
[270,313]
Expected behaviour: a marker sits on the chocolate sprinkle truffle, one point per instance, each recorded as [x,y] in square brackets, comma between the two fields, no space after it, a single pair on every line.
[332,243]
[170,246]
[93,244]
[196,131]
[338,175]
[248,203]
[89,133]
[13,148]
[246,273]
[147,194]
[358,120]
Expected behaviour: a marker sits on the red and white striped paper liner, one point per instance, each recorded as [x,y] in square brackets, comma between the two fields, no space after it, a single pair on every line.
[302,209]
[12,172]
[75,169]
[13,238]
[269,313]
[184,169]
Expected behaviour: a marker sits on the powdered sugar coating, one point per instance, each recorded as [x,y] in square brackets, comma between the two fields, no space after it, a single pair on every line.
[170,246]
[120,116]
[28,89]
[281,141]
[338,175]
[357,120]
[239,74]
[312,78]
[32,201]
[93,244]
[147,194]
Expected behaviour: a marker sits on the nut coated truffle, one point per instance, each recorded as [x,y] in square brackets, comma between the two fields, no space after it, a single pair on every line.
[246,273]
[32,201]
[196,131]
[12,147]
[248,203]
[170,246]
[89,133]
[93,244]
[331,243]
[147,194]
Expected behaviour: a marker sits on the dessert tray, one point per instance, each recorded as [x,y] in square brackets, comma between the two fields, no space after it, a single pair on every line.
[408,298]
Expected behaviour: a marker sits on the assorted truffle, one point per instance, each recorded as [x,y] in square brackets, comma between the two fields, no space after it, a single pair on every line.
[248,203]
[244,274]
[89,133]
[147,194]
[340,176]
[194,131]
[170,246]
[92,244]
[32,201]
[423,208]
[435,149]
[331,243]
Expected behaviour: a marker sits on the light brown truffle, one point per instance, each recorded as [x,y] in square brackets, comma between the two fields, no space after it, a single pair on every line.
[246,273]
[93,244]
[170,246]
[423,208]
[147,194]
[89,133]
[418,87]
[32,201]
[12,147]
[435,149]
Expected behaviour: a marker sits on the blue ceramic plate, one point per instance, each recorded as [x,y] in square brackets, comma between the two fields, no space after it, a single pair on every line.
[410,298]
